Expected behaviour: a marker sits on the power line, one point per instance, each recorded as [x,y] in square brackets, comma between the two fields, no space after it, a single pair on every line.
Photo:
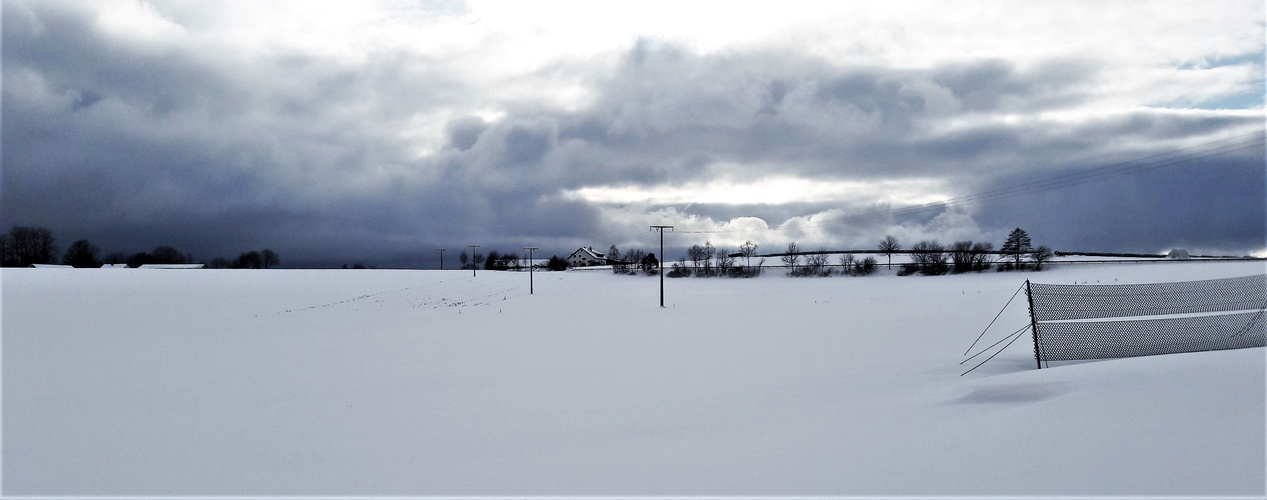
[1170,158]
[996,317]
[1018,334]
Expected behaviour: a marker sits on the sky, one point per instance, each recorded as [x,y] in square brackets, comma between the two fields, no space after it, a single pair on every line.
[376,132]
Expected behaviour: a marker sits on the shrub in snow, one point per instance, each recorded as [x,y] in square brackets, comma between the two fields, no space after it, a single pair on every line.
[867,266]
[556,264]
[679,270]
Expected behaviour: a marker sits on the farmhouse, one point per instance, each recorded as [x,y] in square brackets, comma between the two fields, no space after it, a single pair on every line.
[586,256]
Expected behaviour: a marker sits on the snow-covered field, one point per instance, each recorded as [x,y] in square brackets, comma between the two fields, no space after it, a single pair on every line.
[231,382]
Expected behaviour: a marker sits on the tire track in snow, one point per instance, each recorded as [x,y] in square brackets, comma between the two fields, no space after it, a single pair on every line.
[446,300]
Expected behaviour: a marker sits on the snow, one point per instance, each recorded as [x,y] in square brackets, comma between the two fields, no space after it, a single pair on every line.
[375,382]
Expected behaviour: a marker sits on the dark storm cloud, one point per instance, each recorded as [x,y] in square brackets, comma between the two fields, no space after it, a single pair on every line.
[816,118]
[1214,203]
[135,145]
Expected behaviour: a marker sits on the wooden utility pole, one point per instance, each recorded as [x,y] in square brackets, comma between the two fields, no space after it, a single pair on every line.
[661,229]
[530,249]
[474,262]
[1033,325]
[441,258]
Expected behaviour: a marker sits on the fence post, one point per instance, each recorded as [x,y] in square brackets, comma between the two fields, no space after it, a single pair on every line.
[1033,325]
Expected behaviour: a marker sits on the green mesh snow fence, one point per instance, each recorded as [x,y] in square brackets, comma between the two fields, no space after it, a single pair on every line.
[1148,319]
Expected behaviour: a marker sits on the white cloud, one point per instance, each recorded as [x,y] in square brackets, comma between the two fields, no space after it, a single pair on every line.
[771,190]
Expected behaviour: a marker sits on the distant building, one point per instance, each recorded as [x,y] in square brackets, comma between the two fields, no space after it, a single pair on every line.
[586,256]
[1178,253]
[172,266]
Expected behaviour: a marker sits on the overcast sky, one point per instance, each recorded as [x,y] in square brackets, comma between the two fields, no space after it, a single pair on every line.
[377,131]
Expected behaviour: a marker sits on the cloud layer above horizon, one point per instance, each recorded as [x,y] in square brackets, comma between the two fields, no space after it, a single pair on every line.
[379,131]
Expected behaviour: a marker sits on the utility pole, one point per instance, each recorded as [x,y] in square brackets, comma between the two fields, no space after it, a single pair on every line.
[1033,326]
[474,263]
[530,249]
[661,229]
[441,258]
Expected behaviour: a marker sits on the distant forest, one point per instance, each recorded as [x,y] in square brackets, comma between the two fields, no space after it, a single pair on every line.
[26,246]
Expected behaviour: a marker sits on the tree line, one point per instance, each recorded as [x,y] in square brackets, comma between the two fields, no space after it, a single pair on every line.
[25,246]
[928,257]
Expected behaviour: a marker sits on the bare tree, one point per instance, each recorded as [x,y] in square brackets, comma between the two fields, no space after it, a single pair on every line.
[889,246]
[962,256]
[792,257]
[249,260]
[630,263]
[25,246]
[696,254]
[725,261]
[930,257]
[816,263]
[748,249]
[847,263]
[269,259]
[115,258]
[981,255]
[1039,256]
[464,258]
[168,255]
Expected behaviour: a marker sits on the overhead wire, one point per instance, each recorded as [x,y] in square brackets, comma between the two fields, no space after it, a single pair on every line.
[996,318]
[1017,335]
[991,346]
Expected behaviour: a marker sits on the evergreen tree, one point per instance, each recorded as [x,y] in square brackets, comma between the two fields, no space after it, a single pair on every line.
[1017,245]
[556,264]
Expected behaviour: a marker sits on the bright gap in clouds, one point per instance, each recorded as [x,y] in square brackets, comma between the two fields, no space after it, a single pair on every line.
[770,191]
